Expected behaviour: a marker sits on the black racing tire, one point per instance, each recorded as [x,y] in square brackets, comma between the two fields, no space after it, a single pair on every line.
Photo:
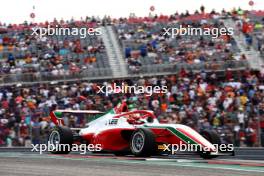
[212,137]
[142,143]
[63,135]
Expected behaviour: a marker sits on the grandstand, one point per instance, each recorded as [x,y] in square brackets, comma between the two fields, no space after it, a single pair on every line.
[26,58]
[145,45]
[139,43]
[211,83]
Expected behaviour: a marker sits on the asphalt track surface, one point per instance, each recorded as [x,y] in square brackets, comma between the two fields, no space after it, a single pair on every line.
[34,164]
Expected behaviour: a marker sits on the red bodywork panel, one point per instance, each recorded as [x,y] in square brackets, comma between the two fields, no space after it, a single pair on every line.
[112,139]
[165,136]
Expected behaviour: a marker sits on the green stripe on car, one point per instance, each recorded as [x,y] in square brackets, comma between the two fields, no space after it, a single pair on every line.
[179,134]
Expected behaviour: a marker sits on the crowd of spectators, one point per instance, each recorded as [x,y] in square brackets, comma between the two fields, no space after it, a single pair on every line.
[141,38]
[23,51]
[144,41]
[232,104]
[251,24]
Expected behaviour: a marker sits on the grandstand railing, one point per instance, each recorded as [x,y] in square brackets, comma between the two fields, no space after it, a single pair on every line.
[208,66]
[48,76]
[106,73]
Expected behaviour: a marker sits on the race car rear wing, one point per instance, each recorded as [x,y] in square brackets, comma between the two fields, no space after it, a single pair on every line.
[57,118]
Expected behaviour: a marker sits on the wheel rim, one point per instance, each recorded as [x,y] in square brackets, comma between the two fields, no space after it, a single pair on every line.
[138,142]
[54,137]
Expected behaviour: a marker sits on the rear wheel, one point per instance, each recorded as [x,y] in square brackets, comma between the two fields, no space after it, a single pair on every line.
[213,138]
[60,140]
[142,142]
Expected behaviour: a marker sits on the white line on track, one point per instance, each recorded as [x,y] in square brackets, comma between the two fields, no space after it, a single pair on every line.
[187,163]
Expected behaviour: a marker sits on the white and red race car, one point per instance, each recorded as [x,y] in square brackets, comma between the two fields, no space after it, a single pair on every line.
[136,132]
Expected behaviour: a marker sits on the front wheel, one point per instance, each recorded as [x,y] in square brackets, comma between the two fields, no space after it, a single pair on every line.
[60,140]
[142,142]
